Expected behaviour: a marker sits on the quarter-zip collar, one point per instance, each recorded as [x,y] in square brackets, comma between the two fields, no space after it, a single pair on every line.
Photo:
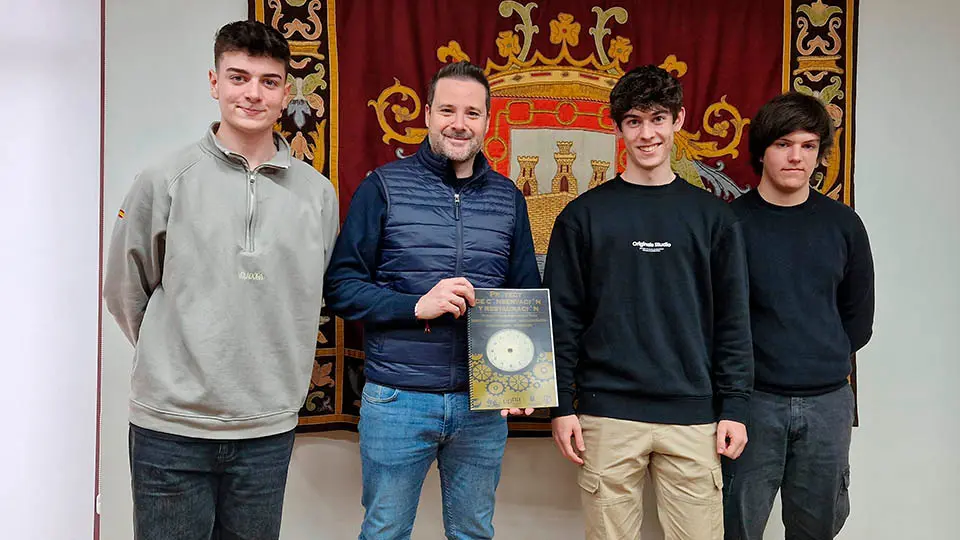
[279,161]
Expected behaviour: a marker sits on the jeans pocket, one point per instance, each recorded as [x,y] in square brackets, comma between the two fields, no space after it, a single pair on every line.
[378,394]
[727,476]
[842,509]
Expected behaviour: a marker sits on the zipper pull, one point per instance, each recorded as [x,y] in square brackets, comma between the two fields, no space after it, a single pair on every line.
[456,206]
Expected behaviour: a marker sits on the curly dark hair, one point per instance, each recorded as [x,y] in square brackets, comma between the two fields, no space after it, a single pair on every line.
[645,88]
[462,70]
[783,115]
[253,38]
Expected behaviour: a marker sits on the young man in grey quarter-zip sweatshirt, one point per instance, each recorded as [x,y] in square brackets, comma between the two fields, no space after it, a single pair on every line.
[215,275]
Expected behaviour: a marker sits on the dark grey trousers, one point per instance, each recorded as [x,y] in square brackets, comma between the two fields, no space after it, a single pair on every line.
[799,446]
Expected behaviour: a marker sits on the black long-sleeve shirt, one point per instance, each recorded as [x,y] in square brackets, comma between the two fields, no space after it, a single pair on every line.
[649,294]
[811,291]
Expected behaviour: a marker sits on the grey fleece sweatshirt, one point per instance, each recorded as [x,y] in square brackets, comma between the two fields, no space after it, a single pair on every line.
[215,274]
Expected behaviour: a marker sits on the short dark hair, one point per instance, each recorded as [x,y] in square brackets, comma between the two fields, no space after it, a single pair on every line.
[459,70]
[253,38]
[645,88]
[783,115]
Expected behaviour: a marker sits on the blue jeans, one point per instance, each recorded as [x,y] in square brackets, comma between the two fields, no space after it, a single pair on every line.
[402,432]
[203,489]
[800,446]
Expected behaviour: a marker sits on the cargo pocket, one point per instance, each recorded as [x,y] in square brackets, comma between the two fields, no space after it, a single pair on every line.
[716,501]
[589,481]
[842,508]
[597,513]
[717,479]
[602,490]
[716,506]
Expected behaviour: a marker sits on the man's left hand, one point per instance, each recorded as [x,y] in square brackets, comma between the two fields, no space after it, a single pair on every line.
[731,438]
[515,412]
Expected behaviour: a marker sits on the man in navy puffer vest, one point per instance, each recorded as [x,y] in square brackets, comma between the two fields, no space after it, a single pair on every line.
[420,234]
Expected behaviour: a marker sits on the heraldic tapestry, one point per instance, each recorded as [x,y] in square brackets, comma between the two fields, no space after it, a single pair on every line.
[359,75]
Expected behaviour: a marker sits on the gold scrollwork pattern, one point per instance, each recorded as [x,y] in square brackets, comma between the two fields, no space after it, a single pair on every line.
[305,109]
[689,144]
[296,26]
[525,27]
[311,128]
[600,30]
[401,113]
[564,31]
[452,52]
[818,62]
[674,66]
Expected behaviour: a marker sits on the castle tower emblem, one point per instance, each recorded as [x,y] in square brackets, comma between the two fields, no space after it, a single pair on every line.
[599,172]
[527,180]
[564,181]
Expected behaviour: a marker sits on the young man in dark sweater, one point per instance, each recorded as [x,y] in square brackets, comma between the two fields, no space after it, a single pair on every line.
[648,281]
[811,307]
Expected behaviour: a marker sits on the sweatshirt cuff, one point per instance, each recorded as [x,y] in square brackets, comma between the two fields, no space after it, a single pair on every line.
[564,405]
[734,408]
[403,306]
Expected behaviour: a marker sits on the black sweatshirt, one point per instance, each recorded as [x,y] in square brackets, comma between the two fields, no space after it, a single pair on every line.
[648,287]
[811,291]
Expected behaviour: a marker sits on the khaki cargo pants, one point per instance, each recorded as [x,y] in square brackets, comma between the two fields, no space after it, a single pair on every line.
[683,464]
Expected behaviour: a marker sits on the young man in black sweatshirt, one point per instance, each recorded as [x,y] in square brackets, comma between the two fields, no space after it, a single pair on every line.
[811,307]
[648,281]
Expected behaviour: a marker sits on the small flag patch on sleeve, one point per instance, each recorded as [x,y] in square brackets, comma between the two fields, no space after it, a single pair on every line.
[120,213]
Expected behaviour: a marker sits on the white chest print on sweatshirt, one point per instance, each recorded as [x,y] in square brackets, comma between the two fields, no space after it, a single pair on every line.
[250,276]
[651,247]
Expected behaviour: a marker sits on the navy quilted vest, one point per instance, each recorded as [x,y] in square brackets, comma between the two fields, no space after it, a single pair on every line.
[432,232]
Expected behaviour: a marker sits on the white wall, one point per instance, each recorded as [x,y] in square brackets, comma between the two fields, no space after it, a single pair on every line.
[903,476]
[905,467]
[157,100]
[49,242]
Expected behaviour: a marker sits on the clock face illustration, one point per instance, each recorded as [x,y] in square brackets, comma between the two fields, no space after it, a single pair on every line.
[510,350]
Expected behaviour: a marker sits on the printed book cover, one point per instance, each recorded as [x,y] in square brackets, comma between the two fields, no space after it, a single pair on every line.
[510,339]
